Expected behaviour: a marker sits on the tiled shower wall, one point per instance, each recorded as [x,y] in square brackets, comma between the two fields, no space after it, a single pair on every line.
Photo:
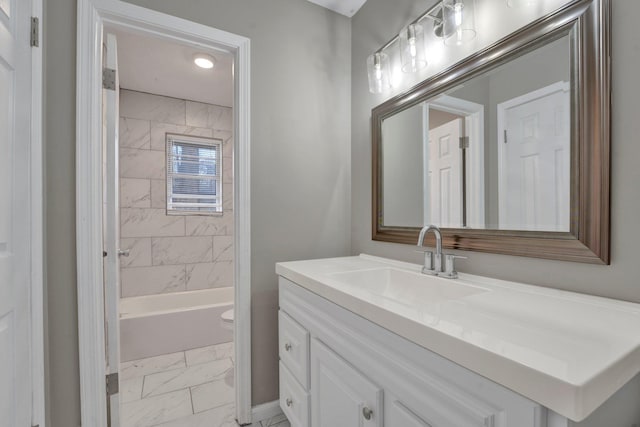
[170,253]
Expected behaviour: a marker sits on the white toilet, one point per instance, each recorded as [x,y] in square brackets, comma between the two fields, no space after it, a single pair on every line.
[226,319]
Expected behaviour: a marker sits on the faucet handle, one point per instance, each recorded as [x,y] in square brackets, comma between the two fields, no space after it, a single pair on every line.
[450,271]
[427,267]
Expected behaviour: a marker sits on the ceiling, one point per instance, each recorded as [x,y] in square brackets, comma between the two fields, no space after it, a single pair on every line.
[344,7]
[152,65]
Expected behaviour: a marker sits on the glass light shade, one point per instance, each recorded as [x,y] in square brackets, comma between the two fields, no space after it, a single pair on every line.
[379,72]
[412,49]
[521,3]
[458,21]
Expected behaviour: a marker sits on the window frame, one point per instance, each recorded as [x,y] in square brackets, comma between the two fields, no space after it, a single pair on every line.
[170,140]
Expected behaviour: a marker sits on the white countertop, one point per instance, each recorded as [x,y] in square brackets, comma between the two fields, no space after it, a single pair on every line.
[567,351]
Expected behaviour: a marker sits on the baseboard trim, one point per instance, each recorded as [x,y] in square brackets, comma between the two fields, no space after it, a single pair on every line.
[265,411]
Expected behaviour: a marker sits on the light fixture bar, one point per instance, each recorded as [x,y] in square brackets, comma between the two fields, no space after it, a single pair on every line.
[434,13]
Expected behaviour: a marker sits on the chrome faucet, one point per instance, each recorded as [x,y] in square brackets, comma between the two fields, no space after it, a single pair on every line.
[433,261]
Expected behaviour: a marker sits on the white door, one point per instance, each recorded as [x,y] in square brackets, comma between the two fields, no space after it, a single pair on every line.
[15,214]
[340,395]
[111,224]
[534,162]
[445,174]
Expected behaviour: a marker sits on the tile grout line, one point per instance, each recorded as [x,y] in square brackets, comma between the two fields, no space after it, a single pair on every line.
[193,409]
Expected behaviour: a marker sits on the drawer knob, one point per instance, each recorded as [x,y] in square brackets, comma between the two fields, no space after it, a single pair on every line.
[367,413]
[289,402]
[287,347]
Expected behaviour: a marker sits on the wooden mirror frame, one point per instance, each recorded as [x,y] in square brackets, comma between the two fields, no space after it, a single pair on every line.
[588,238]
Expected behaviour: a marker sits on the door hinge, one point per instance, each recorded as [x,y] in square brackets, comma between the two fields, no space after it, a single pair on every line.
[35,31]
[112,384]
[505,136]
[109,79]
[464,142]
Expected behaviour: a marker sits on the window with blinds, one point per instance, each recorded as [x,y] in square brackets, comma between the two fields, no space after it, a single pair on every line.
[194,175]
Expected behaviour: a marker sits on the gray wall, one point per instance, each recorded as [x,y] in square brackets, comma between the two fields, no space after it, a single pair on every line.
[402,154]
[63,397]
[375,23]
[300,117]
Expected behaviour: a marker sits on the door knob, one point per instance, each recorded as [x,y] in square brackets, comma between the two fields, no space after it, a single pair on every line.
[287,347]
[123,252]
[289,402]
[367,413]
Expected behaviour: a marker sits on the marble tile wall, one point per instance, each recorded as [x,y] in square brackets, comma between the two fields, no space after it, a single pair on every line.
[170,253]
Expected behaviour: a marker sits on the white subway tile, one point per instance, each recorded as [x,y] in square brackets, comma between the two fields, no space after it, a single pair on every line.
[142,164]
[159,131]
[209,353]
[153,280]
[220,118]
[209,275]
[156,410]
[214,225]
[197,114]
[136,222]
[139,105]
[134,133]
[212,395]
[223,416]
[139,252]
[159,193]
[177,379]
[152,365]
[223,248]
[135,193]
[181,250]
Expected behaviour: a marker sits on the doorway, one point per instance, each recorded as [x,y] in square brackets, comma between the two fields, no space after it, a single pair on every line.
[169,217]
[96,308]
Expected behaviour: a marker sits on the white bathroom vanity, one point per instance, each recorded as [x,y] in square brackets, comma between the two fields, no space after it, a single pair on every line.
[371,342]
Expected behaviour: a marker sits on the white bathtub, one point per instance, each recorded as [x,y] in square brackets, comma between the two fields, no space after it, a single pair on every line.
[159,324]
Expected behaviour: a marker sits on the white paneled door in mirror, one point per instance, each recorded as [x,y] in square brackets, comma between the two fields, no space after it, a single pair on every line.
[534,159]
[445,175]
[15,214]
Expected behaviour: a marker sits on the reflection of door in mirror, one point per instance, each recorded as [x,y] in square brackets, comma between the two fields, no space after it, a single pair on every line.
[445,173]
[441,110]
[533,159]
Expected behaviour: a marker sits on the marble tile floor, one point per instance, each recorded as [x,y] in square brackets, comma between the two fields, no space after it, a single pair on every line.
[192,388]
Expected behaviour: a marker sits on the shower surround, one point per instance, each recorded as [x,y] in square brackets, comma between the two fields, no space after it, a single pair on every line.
[170,253]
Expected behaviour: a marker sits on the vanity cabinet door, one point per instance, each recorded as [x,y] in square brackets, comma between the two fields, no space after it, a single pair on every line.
[340,395]
[398,415]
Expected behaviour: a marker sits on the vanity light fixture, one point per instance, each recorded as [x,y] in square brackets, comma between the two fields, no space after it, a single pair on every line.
[453,21]
[378,70]
[521,3]
[412,48]
[204,60]
[458,21]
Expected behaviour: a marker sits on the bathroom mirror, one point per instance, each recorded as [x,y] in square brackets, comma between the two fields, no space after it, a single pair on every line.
[508,150]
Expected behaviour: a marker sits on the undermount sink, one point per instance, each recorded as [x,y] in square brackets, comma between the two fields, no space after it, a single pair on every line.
[406,287]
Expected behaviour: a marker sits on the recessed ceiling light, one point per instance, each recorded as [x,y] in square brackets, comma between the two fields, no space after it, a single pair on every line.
[204,60]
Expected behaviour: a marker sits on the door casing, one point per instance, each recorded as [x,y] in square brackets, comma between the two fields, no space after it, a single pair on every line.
[91,17]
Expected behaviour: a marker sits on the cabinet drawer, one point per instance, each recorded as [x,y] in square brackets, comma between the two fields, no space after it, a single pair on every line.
[294,400]
[294,348]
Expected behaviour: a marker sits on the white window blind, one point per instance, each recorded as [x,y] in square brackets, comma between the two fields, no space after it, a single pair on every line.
[194,174]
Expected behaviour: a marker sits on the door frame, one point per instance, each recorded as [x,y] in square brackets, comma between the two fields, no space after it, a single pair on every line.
[91,17]
[38,408]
